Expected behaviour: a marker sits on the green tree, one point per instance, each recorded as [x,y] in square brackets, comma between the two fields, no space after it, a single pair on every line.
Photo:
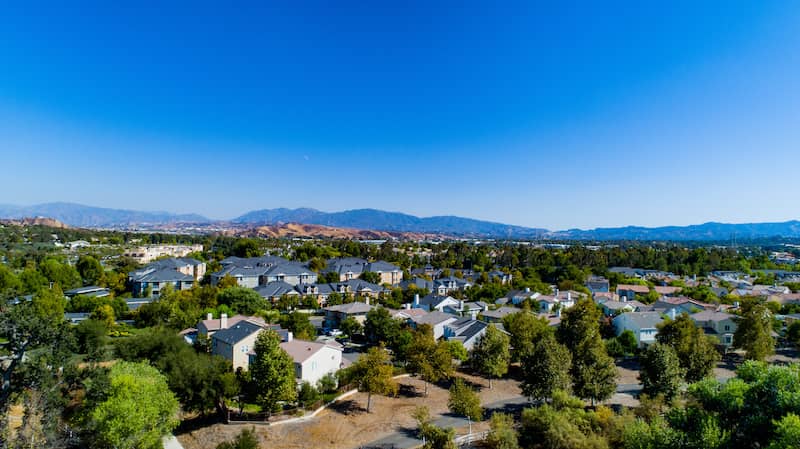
[661,372]
[696,351]
[300,325]
[372,374]
[90,270]
[433,437]
[458,351]
[243,300]
[546,369]
[66,276]
[370,276]
[307,395]
[787,433]
[593,371]
[245,440]
[138,411]
[490,355]
[753,333]
[351,326]
[90,335]
[104,314]
[272,371]
[427,358]
[247,248]
[9,282]
[380,327]
[525,329]
[793,333]
[502,434]
[628,341]
[464,401]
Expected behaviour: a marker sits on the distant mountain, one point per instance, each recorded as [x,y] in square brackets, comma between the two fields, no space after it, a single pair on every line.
[372,219]
[79,215]
[705,231]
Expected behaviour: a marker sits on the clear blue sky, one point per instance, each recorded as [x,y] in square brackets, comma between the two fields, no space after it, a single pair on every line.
[576,115]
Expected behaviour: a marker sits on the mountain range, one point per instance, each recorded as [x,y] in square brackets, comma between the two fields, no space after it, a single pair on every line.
[394,222]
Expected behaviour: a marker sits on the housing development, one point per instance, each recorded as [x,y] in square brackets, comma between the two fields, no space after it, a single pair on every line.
[344,344]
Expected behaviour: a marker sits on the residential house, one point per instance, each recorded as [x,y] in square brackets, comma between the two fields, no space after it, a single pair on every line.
[433,302]
[334,315]
[471,309]
[91,291]
[665,290]
[467,330]
[613,308]
[235,342]
[497,315]
[313,360]
[598,284]
[558,301]
[519,296]
[719,324]
[181,274]
[630,291]
[504,278]
[436,319]
[349,268]
[210,325]
[273,291]
[389,273]
[642,324]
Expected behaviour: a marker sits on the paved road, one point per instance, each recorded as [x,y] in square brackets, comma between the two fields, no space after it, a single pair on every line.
[406,438]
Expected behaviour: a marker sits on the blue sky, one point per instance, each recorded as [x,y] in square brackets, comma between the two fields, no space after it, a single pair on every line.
[530,113]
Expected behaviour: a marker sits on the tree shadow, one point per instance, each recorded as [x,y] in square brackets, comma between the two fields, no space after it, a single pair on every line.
[347,407]
[410,391]
[198,422]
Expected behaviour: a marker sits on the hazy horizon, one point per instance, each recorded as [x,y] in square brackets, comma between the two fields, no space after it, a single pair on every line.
[536,115]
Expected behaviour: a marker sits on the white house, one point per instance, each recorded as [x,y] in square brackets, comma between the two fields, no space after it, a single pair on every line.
[313,360]
[434,302]
[642,324]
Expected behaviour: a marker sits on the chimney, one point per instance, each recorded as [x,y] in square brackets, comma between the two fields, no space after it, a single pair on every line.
[556,292]
[416,299]
[289,336]
[527,289]
[672,313]
[461,305]
[558,312]
[209,316]
[223,321]
[624,298]
[366,300]
[569,296]
[474,315]
[407,306]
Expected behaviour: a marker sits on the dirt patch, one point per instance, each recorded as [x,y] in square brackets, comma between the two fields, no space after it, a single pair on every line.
[347,424]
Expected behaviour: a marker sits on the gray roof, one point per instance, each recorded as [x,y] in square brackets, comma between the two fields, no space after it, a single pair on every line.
[351,308]
[433,300]
[163,275]
[644,320]
[501,312]
[276,289]
[433,318]
[381,266]
[237,332]
[288,268]
[91,290]
[252,262]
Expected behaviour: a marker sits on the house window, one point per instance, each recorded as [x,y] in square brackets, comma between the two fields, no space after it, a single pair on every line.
[727,327]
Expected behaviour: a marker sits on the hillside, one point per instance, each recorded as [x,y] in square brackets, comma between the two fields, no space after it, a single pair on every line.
[78,215]
[298,230]
[372,219]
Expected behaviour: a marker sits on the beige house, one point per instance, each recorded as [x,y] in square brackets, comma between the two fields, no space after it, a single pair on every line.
[313,360]
[719,324]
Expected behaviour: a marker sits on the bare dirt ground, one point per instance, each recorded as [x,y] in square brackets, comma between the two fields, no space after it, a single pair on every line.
[347,424]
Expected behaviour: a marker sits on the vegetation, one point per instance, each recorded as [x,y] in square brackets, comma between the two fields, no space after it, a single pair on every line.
[464,401]
[491,356]
[372,374]
[272,372]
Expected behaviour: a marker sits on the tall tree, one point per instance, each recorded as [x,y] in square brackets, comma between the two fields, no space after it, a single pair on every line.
[464,401]
[753,332]
[272,371]
[90,270]
[502,434]
[490,356]
[526,329]
[696,351]
[139,409]
[593,371]
[431,361]
[661,372]
[372,374]
[546,369]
